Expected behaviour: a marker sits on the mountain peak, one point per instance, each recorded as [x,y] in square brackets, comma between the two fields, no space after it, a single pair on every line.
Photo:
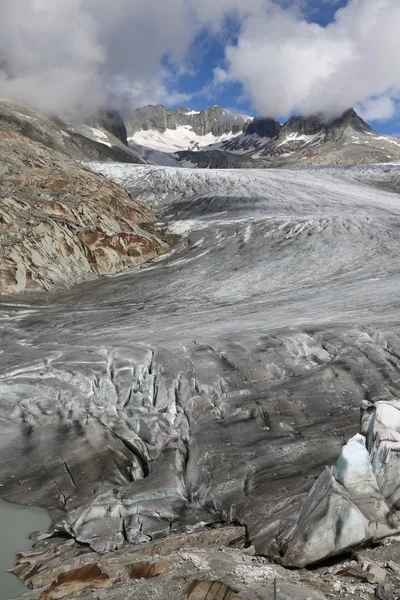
[334,128]
[352,119]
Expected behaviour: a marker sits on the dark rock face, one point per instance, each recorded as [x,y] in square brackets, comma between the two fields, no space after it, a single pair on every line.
[215,120]
[329,136]
[302,126]
[264,128]
[257,134]
[112,121]
[317,124]
[215,159]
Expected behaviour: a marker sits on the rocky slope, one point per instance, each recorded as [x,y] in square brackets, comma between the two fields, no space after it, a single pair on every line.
[215,564]
[60,223]
[303,142]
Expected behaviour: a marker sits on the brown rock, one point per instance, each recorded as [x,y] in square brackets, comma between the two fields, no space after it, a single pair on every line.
[145,570]
[59,222]
[209,590]
[76,582]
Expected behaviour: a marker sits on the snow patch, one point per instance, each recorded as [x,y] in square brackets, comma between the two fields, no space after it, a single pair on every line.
[179,139]
[307,139]
[100,136]
[24,116]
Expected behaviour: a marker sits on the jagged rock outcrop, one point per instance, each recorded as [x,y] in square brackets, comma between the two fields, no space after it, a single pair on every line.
[113,122]
[299,125]
[256,135]
[350,120]
[60,223]
[332,128]
[302,133]
[215,120]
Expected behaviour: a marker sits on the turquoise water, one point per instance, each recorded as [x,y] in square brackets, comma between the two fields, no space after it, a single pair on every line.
[16,524]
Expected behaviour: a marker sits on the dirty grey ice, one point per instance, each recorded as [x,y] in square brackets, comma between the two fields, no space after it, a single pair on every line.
[217,384]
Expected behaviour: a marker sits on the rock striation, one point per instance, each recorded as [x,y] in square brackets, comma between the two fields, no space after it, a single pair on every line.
[60,223]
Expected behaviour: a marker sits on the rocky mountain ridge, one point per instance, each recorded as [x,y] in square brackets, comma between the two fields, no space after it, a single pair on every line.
[301,141]
[215,120]
[218,138]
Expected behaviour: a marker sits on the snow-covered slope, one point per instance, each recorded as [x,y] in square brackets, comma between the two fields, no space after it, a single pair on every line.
[181,138]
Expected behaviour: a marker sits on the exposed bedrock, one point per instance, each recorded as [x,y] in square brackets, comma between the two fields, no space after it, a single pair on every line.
[59,223]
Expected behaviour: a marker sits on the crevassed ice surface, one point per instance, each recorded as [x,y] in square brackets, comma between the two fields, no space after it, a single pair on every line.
[215,384]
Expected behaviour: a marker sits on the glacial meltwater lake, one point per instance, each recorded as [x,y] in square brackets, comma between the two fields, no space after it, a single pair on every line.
[16,524]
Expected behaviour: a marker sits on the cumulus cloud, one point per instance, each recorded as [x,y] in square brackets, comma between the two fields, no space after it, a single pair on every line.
[70,56]
[63,55]
[287,64]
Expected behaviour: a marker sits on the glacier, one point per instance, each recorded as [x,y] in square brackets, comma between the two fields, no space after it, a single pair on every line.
[217,384]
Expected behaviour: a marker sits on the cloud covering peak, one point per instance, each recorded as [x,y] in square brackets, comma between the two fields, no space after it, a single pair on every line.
[70,56]
[288,64]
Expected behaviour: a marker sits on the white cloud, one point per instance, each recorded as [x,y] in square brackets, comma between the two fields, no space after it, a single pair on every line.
[287,64]
[221,76]
[73,55]
[377,109]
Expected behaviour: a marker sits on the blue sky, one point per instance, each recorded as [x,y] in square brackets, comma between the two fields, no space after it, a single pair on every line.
[208,53]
